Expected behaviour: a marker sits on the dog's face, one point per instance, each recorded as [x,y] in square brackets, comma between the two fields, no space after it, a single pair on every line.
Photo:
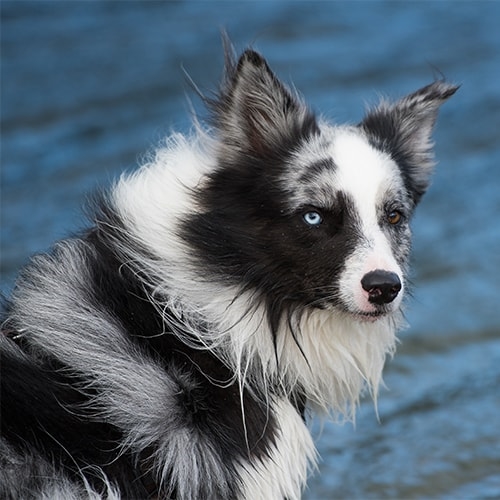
[305,214]
[354,210]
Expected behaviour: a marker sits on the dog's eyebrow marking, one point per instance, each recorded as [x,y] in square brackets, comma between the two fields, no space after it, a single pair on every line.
[316,169]
[320,166]
[311,183]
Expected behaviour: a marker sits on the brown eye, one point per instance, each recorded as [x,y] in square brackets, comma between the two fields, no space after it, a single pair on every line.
[394,217]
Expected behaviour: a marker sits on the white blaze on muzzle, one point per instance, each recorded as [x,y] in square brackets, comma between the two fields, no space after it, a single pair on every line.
[372,281]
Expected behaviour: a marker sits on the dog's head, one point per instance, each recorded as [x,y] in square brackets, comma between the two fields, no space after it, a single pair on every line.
[307,214]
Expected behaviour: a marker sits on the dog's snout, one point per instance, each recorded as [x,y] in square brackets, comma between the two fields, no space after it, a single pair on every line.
[382,286]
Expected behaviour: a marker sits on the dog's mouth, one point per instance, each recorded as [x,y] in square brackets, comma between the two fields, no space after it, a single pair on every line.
[365,316]
[378,312]
[371,316]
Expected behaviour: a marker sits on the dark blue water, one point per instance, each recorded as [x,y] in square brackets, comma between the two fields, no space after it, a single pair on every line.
[87,88]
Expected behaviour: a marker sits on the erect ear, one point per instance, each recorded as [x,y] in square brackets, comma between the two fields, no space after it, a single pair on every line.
[404,128]
[255,113]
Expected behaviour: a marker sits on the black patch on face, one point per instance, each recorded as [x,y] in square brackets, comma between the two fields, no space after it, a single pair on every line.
[247,237]
[245,234]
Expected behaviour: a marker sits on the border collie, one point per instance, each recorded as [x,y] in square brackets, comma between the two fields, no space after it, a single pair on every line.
[247,274]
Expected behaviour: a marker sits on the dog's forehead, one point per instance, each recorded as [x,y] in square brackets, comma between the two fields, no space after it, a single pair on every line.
[340,160]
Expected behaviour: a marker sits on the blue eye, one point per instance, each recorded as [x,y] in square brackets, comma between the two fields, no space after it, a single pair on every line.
[313,218]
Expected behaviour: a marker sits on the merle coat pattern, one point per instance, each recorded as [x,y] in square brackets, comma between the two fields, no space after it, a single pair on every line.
[245,275]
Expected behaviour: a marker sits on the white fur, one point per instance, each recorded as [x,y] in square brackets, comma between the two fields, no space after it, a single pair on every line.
[152,200]
[284,471]
[368,175]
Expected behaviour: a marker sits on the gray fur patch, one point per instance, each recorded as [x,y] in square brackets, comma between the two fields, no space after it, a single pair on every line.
[133,391]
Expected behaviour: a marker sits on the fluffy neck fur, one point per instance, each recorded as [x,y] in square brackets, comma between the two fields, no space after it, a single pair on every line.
[326,356]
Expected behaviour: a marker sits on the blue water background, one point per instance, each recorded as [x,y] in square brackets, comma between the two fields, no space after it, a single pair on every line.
[87,88]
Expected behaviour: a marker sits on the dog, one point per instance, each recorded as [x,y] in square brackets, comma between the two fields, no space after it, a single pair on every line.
[249,273]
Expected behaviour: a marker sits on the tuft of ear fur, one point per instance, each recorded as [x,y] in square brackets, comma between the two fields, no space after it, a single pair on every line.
[404,128]
[255,113]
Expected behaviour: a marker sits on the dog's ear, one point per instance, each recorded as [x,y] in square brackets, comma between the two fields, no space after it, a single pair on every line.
[404,128]
[255,113]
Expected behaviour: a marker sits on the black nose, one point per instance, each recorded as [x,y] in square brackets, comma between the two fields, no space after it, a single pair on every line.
[382,286]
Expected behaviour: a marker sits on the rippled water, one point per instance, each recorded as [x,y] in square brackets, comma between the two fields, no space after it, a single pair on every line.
[87,88]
